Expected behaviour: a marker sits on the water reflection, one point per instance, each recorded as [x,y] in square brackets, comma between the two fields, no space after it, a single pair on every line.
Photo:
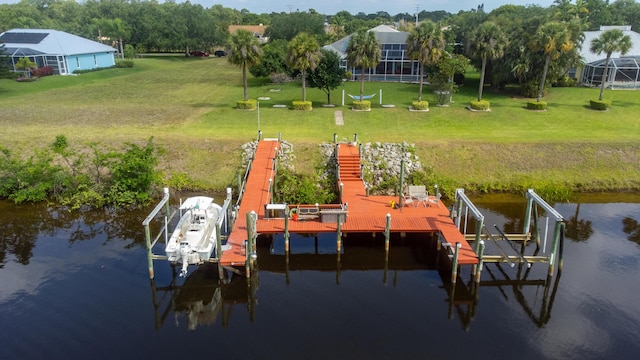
[579,229]
[53,264]
[202,297]
[631,227]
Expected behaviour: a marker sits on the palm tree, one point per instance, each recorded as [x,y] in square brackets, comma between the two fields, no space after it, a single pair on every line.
[364,50]
[115,28]
[303,54]
[553,39]
[610,41]
[244,50]
[26,65]
[425,44]
[488,42]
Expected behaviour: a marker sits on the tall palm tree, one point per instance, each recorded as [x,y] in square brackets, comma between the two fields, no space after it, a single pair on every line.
[425,43]
[610,41]
[488,42]
[303,54]
[553,39]
[244,50]
[364,51]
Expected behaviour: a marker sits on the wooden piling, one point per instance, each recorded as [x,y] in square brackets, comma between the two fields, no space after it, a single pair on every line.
[286,229]
[478,268]
[339,232]
[387,233]
[454,264]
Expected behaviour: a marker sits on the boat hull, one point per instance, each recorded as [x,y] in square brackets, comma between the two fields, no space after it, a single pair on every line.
[194,238]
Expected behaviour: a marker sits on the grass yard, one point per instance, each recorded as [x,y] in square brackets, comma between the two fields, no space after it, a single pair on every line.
[187,105]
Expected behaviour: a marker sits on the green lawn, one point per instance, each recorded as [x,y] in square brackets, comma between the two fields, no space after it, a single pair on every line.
[187,106]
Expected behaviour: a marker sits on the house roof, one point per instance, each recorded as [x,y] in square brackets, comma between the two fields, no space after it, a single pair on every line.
[256,29]
[47,41]
[589,57]
[384,34]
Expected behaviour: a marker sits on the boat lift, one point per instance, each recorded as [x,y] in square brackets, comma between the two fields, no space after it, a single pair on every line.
[464,210]
[163,206]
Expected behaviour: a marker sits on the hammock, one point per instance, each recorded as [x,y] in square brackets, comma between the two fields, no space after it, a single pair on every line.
[360,98]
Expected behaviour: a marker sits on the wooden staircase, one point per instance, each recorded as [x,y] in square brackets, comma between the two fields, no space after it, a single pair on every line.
[349,166]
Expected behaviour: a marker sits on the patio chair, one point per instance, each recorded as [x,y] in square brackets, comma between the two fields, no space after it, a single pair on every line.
[418,194]
[435,200]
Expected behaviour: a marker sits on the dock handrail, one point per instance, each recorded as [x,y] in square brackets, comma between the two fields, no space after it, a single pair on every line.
[244,180]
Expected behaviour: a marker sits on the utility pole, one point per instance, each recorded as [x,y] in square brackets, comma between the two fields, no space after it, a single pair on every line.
[417,11]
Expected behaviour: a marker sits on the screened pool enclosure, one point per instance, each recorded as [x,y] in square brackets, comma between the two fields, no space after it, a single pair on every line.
[623,73]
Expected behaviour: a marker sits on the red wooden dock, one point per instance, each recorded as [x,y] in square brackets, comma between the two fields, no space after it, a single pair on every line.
[364,213]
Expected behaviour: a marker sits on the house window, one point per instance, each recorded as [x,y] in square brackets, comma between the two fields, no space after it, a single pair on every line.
[95,60]
[78,62]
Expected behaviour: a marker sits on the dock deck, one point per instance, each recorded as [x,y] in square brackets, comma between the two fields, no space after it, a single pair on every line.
[363,213]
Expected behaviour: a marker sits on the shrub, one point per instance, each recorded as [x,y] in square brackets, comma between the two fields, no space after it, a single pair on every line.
[420,105]
[361,105]
[482,105]
[124,63]
[600,104]
[279,78]
[537,105]
[348,75]
[565,81]
[130,52]
[26,79]
[302,105]
[530,89]
[77,72]
[295,188]
[250,104]
[43,71]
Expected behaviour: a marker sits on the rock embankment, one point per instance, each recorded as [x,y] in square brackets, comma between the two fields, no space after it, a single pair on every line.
[382,161]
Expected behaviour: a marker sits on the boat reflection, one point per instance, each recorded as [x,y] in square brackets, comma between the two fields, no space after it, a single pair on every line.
[202,297]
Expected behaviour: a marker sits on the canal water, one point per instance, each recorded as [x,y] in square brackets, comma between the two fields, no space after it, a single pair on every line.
[75,285]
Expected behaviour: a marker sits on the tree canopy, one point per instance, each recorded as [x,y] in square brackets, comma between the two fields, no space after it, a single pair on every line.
[327,75]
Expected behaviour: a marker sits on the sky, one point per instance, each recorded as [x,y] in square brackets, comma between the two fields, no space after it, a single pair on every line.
[330,7]
[393,7]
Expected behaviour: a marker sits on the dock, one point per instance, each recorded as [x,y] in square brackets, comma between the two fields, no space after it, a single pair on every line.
[356,212]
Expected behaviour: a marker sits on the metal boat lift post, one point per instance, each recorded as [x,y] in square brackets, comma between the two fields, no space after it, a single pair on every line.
[558,235]
[462,202]
[164,203]
[168,216]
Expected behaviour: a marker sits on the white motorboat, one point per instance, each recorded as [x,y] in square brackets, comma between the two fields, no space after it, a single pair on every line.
[194,238]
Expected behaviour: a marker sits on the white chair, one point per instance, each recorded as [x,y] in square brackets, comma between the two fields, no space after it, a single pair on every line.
[419,194]
[406,200]
[435,200]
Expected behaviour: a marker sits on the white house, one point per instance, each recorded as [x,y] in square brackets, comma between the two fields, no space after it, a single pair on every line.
[624,70]
[62,51]
[395,65]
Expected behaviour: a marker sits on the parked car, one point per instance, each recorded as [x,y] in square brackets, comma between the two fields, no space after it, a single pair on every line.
[220,53]
[199,53]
